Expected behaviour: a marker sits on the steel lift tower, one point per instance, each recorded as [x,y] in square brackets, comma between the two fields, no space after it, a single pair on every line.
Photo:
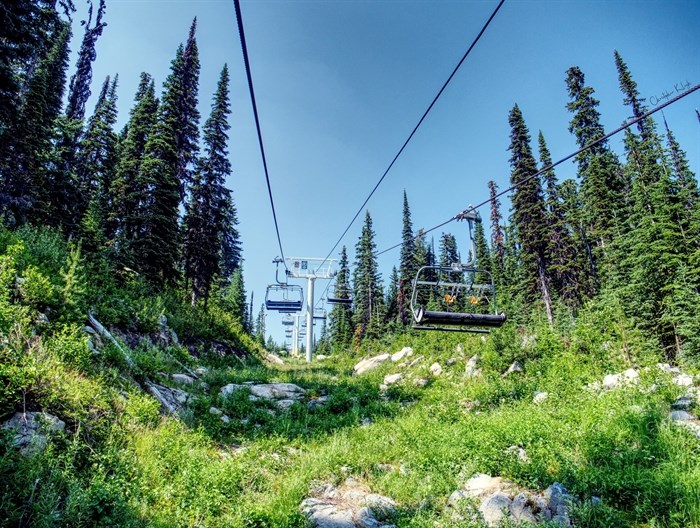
[310,269]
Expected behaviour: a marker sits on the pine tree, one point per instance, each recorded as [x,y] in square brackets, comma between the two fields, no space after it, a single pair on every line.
[561,251]
[79,90]
[368,295]
[341,329]
[234,297]
[27,187]
[407,267]
[260,325]
[95,165]
[529,212]
[209,226]
[497,234]
[392,297]
[187,114]
[125,218]
[603,186]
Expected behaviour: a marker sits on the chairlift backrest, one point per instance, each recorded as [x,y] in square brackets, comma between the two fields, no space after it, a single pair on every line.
[284,298]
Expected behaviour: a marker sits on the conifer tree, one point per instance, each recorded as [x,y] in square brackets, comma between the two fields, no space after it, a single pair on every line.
[497,234]
[79,89]
[27,186]
[529,212]
[210,234]
[561,251]
[368,295]
[125,218]
[341,329]
[392,297]
[407,266]
[603,186]
[260,325]
[234,297]
[187,114]
[96,162]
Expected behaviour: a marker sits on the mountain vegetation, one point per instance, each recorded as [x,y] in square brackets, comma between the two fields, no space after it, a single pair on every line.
[124,317]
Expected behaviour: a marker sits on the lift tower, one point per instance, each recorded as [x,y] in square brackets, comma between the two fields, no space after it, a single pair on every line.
[310,269]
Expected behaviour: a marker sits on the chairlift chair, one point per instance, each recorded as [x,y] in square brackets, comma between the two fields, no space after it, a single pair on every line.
[342,297]
[283,297]
[462,296]
[319,314]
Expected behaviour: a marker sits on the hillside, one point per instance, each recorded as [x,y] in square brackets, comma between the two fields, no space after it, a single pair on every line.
[533,406]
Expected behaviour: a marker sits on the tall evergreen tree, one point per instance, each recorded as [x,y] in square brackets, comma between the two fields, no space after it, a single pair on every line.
[529,211]
[497,234]
[187,114]
[27,188]
[79,89]
[234,297]
[96,162]
[603,186]
[260,325]
[407,266]
[125,218]
[210,234]
[341,329]
[392,297]
[368,295]
[561,251]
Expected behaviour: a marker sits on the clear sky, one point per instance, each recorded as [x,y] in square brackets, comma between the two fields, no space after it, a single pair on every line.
[340,84]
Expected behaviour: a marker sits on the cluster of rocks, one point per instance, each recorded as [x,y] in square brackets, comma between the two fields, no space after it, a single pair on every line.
[350,505]
[32,430]
[680,409]
[494,500]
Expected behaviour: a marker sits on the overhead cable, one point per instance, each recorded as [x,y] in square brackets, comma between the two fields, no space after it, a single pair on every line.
[415,129]
[624,126]
[244,48]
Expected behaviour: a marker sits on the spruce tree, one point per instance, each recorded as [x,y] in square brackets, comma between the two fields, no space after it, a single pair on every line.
[392,297]
[497,234]
[210,236]
[79,89]
[27,186]
[187,114]
[561,251]
[125,218]
[260,325]
[603,186]
[96,162]
[341,329]
[234,297]
[407,266]
[529,212]
[368,295]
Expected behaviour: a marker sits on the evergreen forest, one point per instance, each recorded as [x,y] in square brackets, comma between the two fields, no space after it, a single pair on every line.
[134,363]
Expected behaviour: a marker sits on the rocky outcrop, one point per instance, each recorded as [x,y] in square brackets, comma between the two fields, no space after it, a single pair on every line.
[283,395]
[370,364]
[32,430]
[499,501]
[350,505]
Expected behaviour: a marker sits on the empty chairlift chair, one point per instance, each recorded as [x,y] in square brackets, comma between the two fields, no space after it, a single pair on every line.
[456,298]
[285,298]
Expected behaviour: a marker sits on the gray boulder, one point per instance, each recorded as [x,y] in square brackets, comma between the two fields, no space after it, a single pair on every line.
[32,430]
[370,364]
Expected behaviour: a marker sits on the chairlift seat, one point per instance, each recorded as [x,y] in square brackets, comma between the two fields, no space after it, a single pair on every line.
[426,317]
[338,300]
[284,306]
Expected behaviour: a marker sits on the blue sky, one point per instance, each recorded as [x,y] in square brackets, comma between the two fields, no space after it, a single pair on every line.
[340,85]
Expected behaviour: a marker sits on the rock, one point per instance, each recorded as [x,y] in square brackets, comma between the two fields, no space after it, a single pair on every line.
[457,497]
[681,416]
[665,367]
[558,500]
[628,377]
[435,369]
[225,419]
[182,378]
[321,357]
[401,354]
[383,387]
[519,453]
[514,367]
[539,397]
[450,362]
[277,391]
[201,371]
[596,501]
[317,402]
[420,382]
[495,508]
[528,340]
[392,379]
[370,364]
[229,389]
[470,370]
[216,411]
[32,430]
[481,485]
[366,421]
[284,404]
[416,361]
[683,380]
[166,335]
[683,403]
[521,509]
[273,358]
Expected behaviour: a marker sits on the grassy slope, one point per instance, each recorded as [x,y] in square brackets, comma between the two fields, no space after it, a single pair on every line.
[122,464]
